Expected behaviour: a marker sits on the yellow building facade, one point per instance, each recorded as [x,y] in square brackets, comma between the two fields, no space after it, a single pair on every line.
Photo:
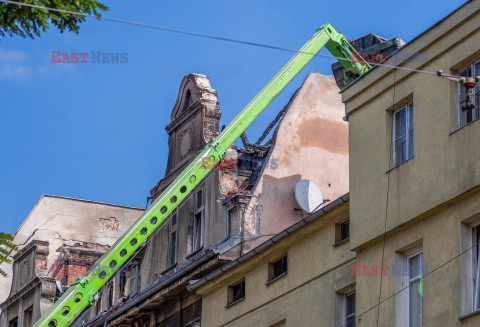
[254,291]
[412,256]
[414,181]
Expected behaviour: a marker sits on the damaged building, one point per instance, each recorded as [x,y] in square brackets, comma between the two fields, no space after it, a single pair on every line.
[59,241]
[246,200]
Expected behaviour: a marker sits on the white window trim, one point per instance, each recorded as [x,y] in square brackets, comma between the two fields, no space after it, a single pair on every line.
[407,132]
[475,112]
[407,265]
[474,278]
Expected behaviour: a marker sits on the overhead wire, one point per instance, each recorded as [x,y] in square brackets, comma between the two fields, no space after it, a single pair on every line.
[390,159]
[214,37]
[219,38]
[413,284]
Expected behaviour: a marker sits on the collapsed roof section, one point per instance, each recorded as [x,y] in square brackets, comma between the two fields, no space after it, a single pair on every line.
[372,48]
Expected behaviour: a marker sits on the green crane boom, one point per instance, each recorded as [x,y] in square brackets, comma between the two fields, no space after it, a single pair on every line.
[84,292]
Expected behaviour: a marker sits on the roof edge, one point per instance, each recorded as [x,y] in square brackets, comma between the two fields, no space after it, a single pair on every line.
[268,243]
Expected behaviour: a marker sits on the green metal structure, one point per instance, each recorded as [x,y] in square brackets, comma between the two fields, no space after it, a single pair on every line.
[84,292]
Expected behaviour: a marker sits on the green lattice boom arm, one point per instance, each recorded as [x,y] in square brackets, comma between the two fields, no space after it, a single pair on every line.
[84,292]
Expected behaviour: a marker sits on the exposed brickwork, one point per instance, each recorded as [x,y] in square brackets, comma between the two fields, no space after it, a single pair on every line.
[107,224]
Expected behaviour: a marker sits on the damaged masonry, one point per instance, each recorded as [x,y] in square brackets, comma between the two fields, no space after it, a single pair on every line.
[245,202]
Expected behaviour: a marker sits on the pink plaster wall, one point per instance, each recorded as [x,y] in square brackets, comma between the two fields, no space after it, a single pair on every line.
[312,143]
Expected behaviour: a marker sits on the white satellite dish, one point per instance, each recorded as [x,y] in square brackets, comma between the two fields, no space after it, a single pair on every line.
[308,195]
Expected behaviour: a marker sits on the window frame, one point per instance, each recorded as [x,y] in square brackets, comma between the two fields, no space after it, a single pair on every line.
[405,107]
[199,210]
[28,312]
[231,295]
[228,225]
[475,288]
[461,115]
[173,229]
[271,269]
[409,282]
[13,322]
[346,316]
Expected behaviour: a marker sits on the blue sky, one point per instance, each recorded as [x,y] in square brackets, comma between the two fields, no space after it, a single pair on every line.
[96,131]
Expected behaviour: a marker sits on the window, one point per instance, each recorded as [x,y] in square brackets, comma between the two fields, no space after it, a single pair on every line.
[282,323]
[144,321]
[172,256]
[415,289]
[403,134]
[233,222]
[465,115]
[228,231]
[349,319]
[13,323]
[236,293]
[110,294]
[342,232]
[196,239]
[28,317]
[133,278]
[98,305]
[476,267]
[277,269]
[122,283]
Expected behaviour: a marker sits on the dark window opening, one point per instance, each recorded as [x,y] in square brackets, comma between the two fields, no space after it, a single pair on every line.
[199,199]
[173,248]
[172,254]
[122,282]
[197,233]
[98,305]
[28,317]
[237,292]
[187,101]
[344,231]
[13,322]
[277,269]
[110,294]
[144,321]
[280,267]
[195,228]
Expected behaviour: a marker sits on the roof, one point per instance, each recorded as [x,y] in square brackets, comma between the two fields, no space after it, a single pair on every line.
[91,201]
[410,42]
[72,199]
[152,289]
[270,242]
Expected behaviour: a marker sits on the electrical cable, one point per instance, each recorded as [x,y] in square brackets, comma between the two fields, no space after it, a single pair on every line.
[390,157]
[220,38]
[264,46]
[410,285]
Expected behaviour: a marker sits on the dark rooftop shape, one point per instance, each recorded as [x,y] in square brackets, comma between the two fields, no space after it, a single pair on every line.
[372,48]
